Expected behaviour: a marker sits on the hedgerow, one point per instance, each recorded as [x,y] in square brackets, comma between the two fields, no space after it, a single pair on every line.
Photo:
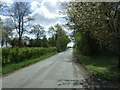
[15,55]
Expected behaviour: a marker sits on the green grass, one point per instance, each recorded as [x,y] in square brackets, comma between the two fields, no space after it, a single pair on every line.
[15,66]
[103,67]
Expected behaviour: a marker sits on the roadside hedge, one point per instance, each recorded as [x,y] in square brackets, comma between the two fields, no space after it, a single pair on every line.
[15,55]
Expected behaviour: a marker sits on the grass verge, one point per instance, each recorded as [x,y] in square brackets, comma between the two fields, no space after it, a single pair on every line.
[102,67]
[15,66]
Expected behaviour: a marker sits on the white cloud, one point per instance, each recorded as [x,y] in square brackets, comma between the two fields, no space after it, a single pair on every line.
[7,1]
[48,9]
[3,17]
[34,5]
[47,14]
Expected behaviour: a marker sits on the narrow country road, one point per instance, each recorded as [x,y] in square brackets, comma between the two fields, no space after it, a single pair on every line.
[58,71]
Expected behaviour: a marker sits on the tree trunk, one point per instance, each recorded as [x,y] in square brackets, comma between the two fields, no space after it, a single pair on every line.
[19,32]
[6,43]
[20,41]
[2,43]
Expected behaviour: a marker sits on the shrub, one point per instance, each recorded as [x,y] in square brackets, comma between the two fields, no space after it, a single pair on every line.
[15,55]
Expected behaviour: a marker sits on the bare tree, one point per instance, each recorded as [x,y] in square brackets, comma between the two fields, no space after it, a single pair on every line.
[19,14]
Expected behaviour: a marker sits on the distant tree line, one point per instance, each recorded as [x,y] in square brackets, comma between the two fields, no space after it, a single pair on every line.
[18,24]
[58,39]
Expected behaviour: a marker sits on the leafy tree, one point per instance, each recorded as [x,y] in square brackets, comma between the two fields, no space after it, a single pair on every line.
[44,42]
[99,20]
[35,43]
[31,43]
[14,42]
[52,30]
[59,37]
[51,41]
[25,40]
[38,31]
[62,41]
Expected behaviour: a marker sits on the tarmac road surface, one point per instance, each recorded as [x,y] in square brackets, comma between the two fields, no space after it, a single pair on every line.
[58,71]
